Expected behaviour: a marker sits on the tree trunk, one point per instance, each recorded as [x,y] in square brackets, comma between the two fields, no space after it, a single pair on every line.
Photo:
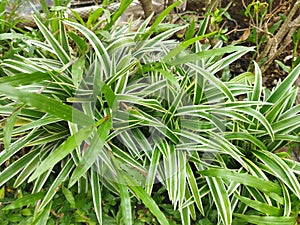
[147,7]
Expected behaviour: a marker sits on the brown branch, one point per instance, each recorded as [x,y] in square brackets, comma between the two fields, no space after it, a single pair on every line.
[284,33]
[288,39]
[147,7]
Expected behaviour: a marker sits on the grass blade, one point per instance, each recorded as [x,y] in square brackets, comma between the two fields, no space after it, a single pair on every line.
[280,169]
[267,220]
[97,45]
[221,199]
[58,49]
[64,173]
[92,151]
[61,152]
[243,178]
[260,206]
[147,200]
[25,200]
[48,105]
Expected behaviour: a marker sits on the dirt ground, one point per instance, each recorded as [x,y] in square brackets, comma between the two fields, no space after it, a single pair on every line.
[238,25]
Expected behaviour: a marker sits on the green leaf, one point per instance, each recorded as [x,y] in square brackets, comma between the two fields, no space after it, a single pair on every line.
[154,162]
[245,137]
[69,196]
[57,48]
[214,80]
[96,192]
[194,188]
[16,167]
[48,105]
[207,54]
[77,70]
[5,36]
[260,117]
[25,78]
[257,90]
[92,151]
[160,18]
[280,169]
[267,220]
[64,173]
[125,204]
[260,206]
[9,126]
[61,152]
[283,87]
[147,200]
[43,216]
[123,6]
[97,45]
[221,198]
[185,45]
[243,178]
[25,200]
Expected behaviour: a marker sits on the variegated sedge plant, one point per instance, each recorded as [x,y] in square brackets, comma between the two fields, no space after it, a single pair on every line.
[128,110]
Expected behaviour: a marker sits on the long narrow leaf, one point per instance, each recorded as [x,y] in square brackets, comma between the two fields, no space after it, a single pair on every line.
[48,105]
[61,152]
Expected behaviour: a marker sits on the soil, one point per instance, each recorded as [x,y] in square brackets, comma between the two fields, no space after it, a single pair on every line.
[238,27]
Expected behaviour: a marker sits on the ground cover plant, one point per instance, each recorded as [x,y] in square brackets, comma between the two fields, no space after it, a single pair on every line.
[128,125]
